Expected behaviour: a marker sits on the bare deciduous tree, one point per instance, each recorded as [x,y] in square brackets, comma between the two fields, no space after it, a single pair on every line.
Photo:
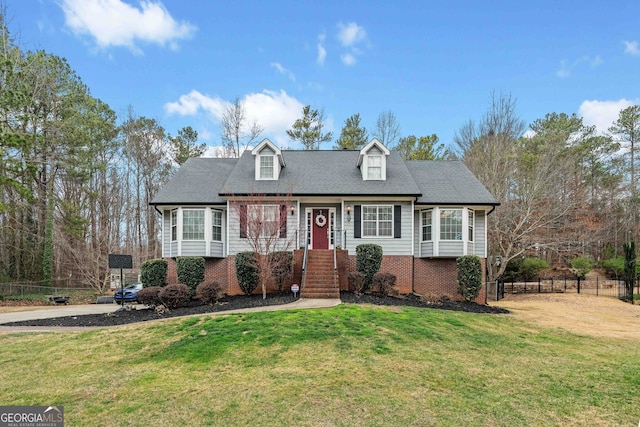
[387,129]
[238,131]
[265,228]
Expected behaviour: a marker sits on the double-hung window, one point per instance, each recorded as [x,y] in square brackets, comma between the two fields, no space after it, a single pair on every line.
[266,167]
[174,225]
[374,167]
[427,219]
[470,225]
[193,224]
[216,222]
[451,224]
[377,221]
[263,220]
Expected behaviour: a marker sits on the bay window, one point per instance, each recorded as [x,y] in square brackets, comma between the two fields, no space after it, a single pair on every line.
[193,224]
[450,224]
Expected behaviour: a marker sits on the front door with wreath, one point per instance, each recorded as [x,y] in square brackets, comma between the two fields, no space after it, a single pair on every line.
[320,223]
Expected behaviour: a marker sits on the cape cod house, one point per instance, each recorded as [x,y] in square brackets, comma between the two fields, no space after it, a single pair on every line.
[424,214]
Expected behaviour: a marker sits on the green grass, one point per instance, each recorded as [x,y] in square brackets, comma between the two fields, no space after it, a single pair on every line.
[343,366]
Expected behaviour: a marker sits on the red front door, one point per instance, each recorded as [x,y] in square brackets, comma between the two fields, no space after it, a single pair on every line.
[320,224]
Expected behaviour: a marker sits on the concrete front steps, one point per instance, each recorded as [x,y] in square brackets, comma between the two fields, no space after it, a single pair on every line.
[319,280]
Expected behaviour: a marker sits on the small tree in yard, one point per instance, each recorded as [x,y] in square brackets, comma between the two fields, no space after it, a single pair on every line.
[154,272]
[247,271]
[469,276]
[368,261]
[263,226]
[282,267]
[190,271]
[630,268]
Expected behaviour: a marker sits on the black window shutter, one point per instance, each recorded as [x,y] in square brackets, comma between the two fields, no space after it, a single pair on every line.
[356,221]
[283,221]
[243,221]
[397,221]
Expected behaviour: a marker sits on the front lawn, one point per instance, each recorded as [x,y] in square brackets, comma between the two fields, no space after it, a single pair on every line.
[349,365]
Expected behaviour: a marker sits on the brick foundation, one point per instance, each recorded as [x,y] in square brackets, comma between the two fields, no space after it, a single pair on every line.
[431,277]
[438,278]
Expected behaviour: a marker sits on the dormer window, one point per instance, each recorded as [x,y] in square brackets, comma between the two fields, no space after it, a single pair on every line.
[372,161]
[268,161]
[374,167]
[266,167]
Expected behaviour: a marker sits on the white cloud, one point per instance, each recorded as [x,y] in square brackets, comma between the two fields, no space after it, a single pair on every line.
[322,52]
[348,59]
[115,23]
[566,67]
[284,71]
[631,47]
[602,114]
[351,34]
[191,103]
[274,111]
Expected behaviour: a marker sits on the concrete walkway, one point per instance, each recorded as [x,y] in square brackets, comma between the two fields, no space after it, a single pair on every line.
[79,310]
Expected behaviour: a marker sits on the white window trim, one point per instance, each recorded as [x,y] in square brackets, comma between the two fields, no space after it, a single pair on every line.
[261,207]
[273,167]
[221,213]
[471,226]
[173,212]
[462,224]
[377,236]
[423,213]
[204,225]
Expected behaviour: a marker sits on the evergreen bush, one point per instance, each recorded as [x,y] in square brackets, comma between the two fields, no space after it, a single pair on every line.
[154,272]
[190,271]
[368,261]
[469,276]
[282,267]
[247,271]
[581,266]
[531,267]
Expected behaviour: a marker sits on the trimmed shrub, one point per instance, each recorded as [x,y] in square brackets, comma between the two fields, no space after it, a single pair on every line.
[282,267]
[469,276]
[174,296]
[190,271]
[149,296]
[356,282]
[581,266]
[368,261]
[531,267]
[154,272]
[209,292]
[247,271]
[386,284]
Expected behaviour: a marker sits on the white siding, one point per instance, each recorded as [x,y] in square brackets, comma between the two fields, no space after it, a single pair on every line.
[450,248]
[217,250]
[193,248]
[480,234]
[390,245]
[236,244]
[166,233]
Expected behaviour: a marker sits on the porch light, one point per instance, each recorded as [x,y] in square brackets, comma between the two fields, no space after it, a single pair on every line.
[293,209]
[348,213]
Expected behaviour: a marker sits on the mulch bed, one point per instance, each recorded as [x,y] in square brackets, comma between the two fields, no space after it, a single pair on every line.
[243,301]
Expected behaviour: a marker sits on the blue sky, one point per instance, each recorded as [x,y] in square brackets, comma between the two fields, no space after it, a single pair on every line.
[433,64]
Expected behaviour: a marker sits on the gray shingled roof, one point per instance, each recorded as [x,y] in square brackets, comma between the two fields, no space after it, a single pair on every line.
[198,181]
[324,173]
[448,182]
[331,172]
